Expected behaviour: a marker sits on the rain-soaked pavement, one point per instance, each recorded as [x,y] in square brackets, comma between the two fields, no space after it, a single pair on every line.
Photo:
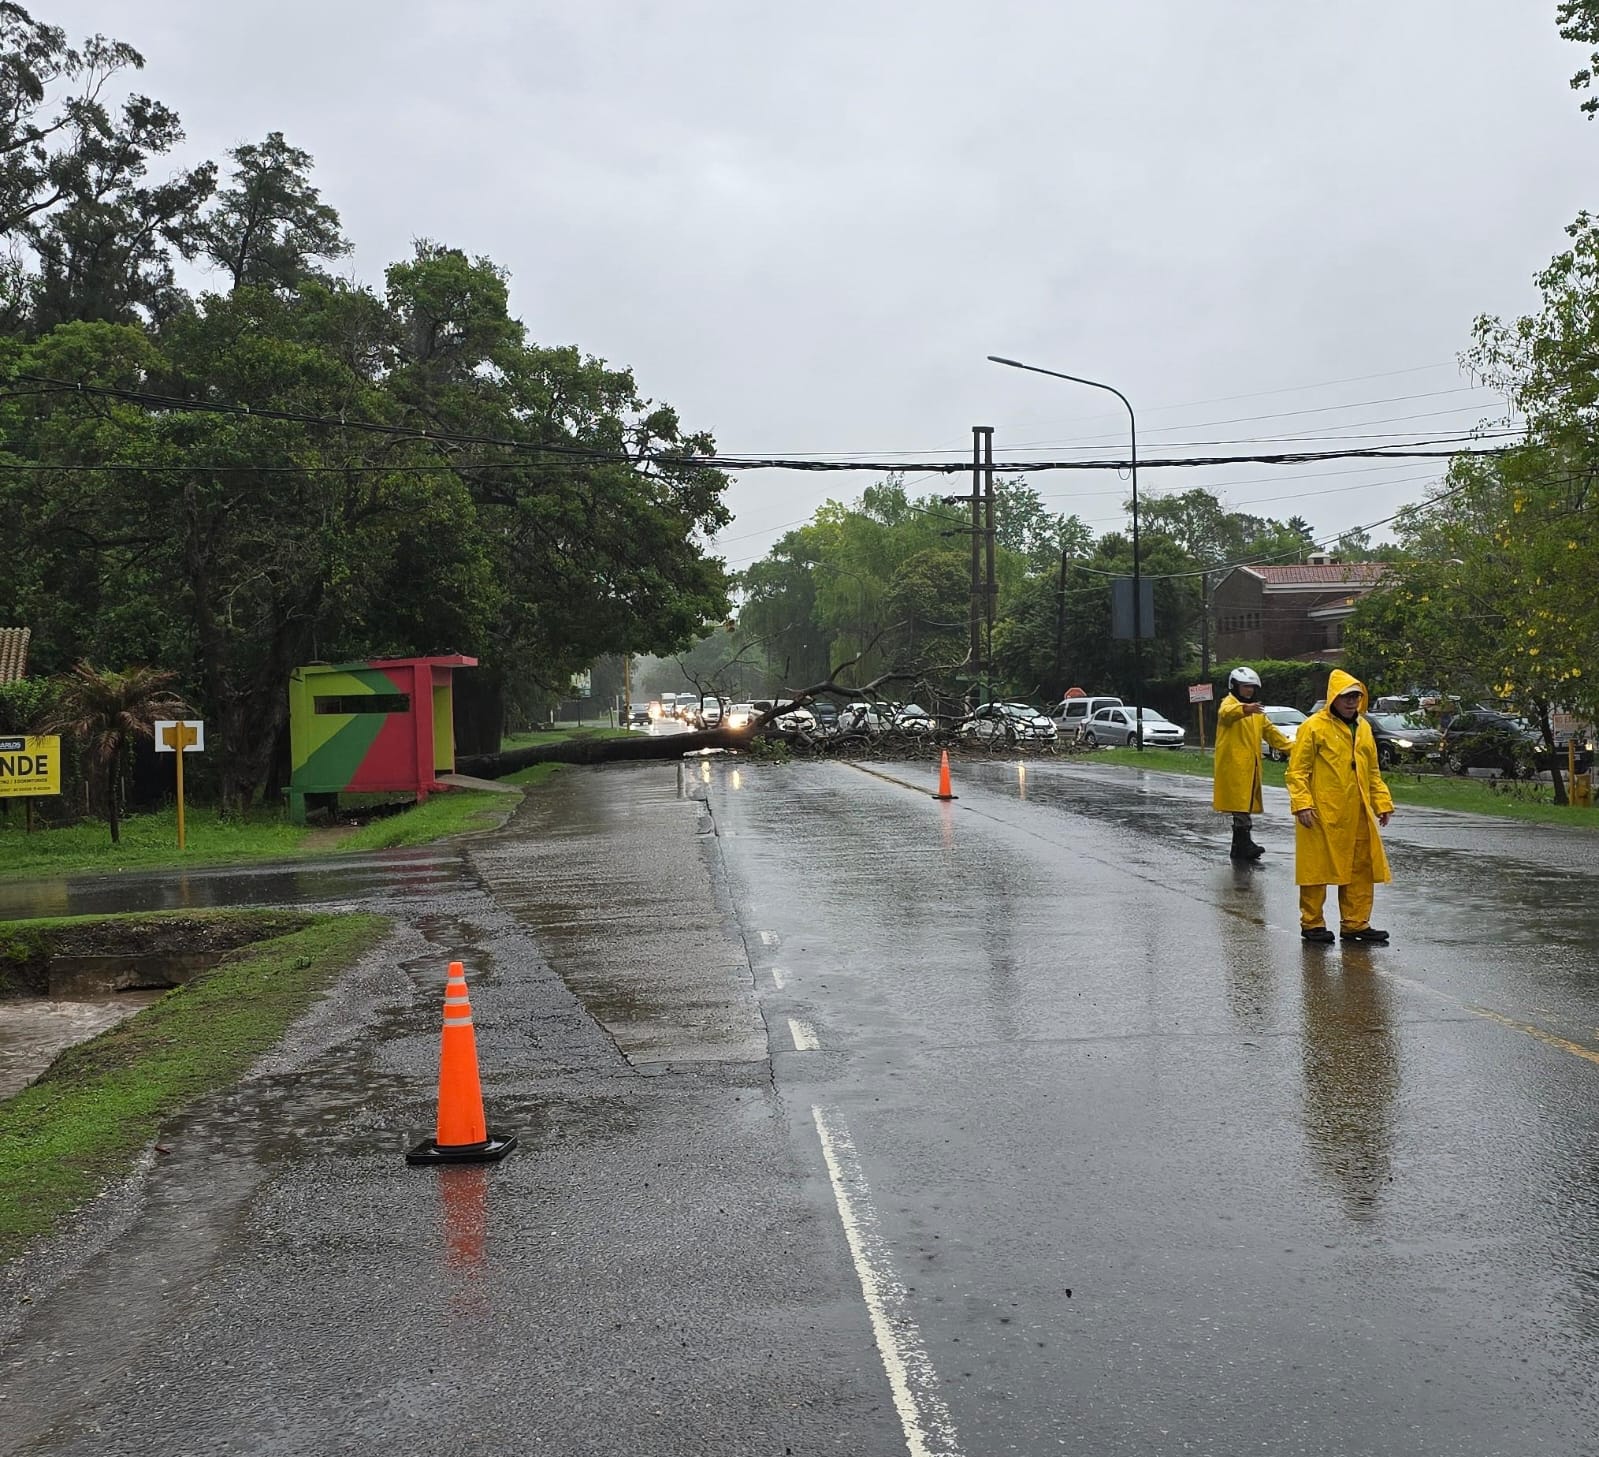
[853,1122]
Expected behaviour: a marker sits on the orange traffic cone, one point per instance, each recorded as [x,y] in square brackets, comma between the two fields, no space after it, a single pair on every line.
[944,791]
[461,1136]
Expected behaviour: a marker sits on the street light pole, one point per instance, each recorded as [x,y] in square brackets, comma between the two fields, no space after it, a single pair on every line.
[1138,595]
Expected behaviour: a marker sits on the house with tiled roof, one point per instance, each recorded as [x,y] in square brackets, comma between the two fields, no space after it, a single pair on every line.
[1294,611]
[14,653]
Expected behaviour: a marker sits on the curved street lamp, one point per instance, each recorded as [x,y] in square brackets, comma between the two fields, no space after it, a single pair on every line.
[1138,596]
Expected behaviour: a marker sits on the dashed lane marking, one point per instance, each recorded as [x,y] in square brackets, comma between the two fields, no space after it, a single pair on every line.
[768,938]
[779,978]
[804,1035]
[929,1430]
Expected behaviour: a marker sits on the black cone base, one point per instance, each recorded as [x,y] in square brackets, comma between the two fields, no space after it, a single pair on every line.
[490,1151]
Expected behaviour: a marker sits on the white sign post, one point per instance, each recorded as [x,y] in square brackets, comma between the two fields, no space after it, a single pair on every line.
[1199,694]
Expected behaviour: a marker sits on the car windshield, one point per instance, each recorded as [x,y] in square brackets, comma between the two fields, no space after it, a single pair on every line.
[1150,716]
[1398,723]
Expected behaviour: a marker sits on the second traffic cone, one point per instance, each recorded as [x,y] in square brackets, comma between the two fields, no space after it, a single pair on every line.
[944,790]
[461,1135]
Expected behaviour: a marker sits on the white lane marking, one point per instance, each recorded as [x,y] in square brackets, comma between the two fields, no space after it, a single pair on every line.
[929,1430]
[804,1036]
[768,938]
[779,978]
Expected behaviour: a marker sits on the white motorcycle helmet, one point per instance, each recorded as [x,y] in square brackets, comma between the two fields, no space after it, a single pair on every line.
[1246,676]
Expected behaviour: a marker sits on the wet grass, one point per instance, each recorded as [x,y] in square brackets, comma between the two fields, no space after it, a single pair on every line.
[102,1102]
[561,735]
[443,815]
[1509,799]
[146,840]
[150,841]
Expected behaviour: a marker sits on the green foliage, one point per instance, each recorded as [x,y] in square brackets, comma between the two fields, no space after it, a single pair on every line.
[233,546]
[25,703]
[1578,20]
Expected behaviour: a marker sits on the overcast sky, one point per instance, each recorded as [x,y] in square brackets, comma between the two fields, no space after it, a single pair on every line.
[805,225]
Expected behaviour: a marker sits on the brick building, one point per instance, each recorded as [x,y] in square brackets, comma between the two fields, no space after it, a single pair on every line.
[1289,612]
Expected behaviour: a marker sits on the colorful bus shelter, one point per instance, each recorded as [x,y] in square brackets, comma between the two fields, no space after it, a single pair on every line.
[386,726]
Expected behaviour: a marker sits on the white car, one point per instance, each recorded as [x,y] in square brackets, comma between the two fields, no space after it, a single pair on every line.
[740,716]
[1014,722]
[798,719]
[914,719]
[1119,726]
[861,718]
[1286,720]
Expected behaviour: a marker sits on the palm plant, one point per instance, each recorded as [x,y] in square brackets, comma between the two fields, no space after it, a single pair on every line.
[103,711]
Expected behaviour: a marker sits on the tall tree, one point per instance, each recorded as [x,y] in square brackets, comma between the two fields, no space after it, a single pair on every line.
[103,712]
[270,227]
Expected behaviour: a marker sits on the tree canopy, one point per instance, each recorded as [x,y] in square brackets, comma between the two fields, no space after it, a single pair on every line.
[282,466]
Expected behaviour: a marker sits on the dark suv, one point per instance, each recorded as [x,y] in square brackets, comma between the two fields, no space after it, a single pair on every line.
[1482,738]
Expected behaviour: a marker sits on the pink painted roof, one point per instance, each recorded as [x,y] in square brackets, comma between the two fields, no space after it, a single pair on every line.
[1322,574]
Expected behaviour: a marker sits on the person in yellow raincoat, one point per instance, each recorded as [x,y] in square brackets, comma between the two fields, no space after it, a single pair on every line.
[1240,726]
[1337,794]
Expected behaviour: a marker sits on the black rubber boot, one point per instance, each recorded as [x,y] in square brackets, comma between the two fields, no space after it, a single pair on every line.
[1255,851]
[1319,935]
[1243,847]
[1370,935]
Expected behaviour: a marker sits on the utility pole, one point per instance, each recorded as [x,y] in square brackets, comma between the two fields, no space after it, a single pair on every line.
[1060,624]
[975,610]
[991,579]
[627,690]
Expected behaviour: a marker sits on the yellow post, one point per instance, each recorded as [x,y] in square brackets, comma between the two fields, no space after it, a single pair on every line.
[180,792]
[178,739]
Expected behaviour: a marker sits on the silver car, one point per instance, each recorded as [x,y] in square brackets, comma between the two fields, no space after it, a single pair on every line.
[1119,726]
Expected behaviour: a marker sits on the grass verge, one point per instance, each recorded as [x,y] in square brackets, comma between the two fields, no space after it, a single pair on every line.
[147,840]
[84,1122]
[1510,799]
[459,812]
[560,736]
[150,841]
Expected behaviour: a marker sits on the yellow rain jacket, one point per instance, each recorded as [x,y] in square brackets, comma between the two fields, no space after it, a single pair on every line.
[1332,769]
[1238,736]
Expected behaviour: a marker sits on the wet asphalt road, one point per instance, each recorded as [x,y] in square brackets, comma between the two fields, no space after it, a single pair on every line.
[1024,1124]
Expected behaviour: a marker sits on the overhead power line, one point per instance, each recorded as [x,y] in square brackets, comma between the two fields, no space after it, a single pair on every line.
[680,461]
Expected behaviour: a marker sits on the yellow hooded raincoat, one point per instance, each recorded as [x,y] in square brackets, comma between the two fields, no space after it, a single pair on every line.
[1238,736]
[1332,769]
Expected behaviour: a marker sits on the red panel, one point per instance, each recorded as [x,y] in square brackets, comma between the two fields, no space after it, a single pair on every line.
[391,762]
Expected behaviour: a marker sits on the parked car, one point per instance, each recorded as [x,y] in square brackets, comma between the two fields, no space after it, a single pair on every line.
[798,719]
[1482,738]
[825,712]
[1404,737]
[1014,722]
[1286,720]
[1072,713]
[912,718]
[1120,726]
[861,718]
[741,715]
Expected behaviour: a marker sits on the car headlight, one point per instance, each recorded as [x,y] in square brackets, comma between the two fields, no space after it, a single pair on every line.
[1403,744]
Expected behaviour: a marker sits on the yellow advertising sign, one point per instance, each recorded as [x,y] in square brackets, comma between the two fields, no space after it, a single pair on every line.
[30,765]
